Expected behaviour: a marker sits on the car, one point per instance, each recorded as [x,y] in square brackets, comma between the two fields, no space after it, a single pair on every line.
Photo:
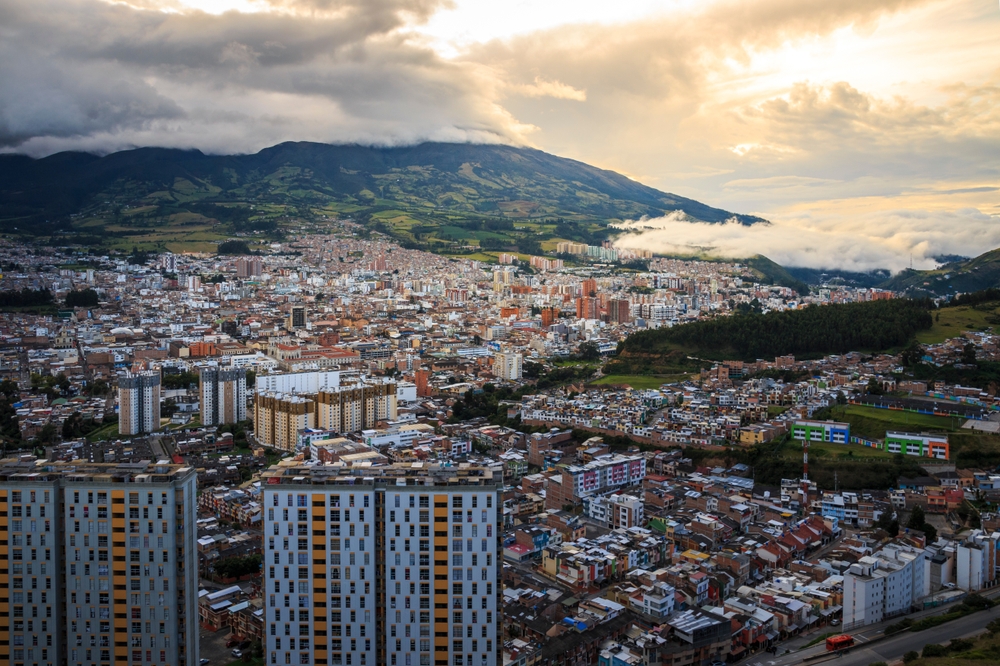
[237,653]
[834,623]
[203,661]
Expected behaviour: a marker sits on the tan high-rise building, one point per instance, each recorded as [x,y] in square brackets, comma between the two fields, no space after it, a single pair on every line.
[100,564]
[139,403]
[248,267]
[394,565]
[347,408]
[278,417]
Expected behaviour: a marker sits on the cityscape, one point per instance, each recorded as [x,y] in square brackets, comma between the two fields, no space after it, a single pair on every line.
[476,333]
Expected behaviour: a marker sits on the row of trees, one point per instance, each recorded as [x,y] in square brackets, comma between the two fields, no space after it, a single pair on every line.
[21,298]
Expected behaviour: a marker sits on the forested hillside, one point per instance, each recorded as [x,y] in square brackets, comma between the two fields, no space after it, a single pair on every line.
[814,330]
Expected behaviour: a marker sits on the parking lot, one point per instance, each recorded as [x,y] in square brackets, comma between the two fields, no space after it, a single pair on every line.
[213,646]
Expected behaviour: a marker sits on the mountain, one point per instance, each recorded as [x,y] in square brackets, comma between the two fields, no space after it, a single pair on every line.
[976,274]
[433,184]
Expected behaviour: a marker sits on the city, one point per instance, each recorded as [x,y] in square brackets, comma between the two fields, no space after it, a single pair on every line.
[478,333]
[294,416]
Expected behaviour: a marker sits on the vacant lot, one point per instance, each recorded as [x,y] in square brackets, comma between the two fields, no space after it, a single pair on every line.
[952,322]
[640,381]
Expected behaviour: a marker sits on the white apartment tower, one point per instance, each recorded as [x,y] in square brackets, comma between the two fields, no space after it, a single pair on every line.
[139,403]
[223,395]
[99,564]
[393,565]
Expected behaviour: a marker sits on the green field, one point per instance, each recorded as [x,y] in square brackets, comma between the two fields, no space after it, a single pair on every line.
[639,381]
[952,322]
[829,451]
[872,423]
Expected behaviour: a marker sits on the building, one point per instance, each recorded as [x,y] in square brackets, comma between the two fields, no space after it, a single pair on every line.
[278,417]
[139,403]
[930,445]
[507,365]
[298,382]
[248,267]
[822,431]
[884,585]
[223,395]
[615,510]
[588,289]
[601,476]
[619,311]
[296,318]
[386,565]
[103,563]
[587,308]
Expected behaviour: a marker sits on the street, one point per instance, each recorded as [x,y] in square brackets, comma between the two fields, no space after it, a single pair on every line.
[890,648]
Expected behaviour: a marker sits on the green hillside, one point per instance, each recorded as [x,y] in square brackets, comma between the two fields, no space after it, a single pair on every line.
[445,197]
[976,274]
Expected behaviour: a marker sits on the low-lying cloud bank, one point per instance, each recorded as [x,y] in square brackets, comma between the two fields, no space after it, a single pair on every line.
[883,239]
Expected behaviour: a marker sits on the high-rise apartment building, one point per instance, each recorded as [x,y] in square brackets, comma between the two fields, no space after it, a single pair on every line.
[247,267]
[278,417]
[507,365]
[390,565]
[619,311]
[587,308]
[139,402]
[99,564]
[589,288]
[296,317]
[223,394]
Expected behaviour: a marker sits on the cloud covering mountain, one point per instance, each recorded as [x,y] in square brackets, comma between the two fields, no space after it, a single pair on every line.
[827,117]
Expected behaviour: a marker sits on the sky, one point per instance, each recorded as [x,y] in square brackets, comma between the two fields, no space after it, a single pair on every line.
[867,131]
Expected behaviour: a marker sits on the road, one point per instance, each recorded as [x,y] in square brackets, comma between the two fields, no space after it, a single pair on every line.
[890,648]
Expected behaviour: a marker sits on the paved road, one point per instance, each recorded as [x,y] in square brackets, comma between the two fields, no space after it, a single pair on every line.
[890,648]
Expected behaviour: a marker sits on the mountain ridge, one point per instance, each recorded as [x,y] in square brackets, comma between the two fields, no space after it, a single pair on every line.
[479,180]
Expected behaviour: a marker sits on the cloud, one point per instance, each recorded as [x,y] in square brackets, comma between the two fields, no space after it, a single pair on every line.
[879,239]
[556,89]
[80,74]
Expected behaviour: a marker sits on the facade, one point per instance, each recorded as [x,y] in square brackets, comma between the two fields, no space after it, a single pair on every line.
[616,511]
[918,444]
[619,311]
[296,317]
[822,431]
[598,477]
[507,365]
[885,585]
[975,561]
[248,267]
[278,417]
[391,565]
[103,563]
[298,382]
[223,395]
[139,403]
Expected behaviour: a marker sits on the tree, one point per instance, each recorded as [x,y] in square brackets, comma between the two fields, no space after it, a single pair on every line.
[10,390]
[82,299]
[874,387]
[969,354]
[917,518]
[589,351]
[911,656]
[47,435]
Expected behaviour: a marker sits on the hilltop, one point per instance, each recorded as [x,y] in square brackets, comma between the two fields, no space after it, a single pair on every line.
[437,195]
[969,275]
